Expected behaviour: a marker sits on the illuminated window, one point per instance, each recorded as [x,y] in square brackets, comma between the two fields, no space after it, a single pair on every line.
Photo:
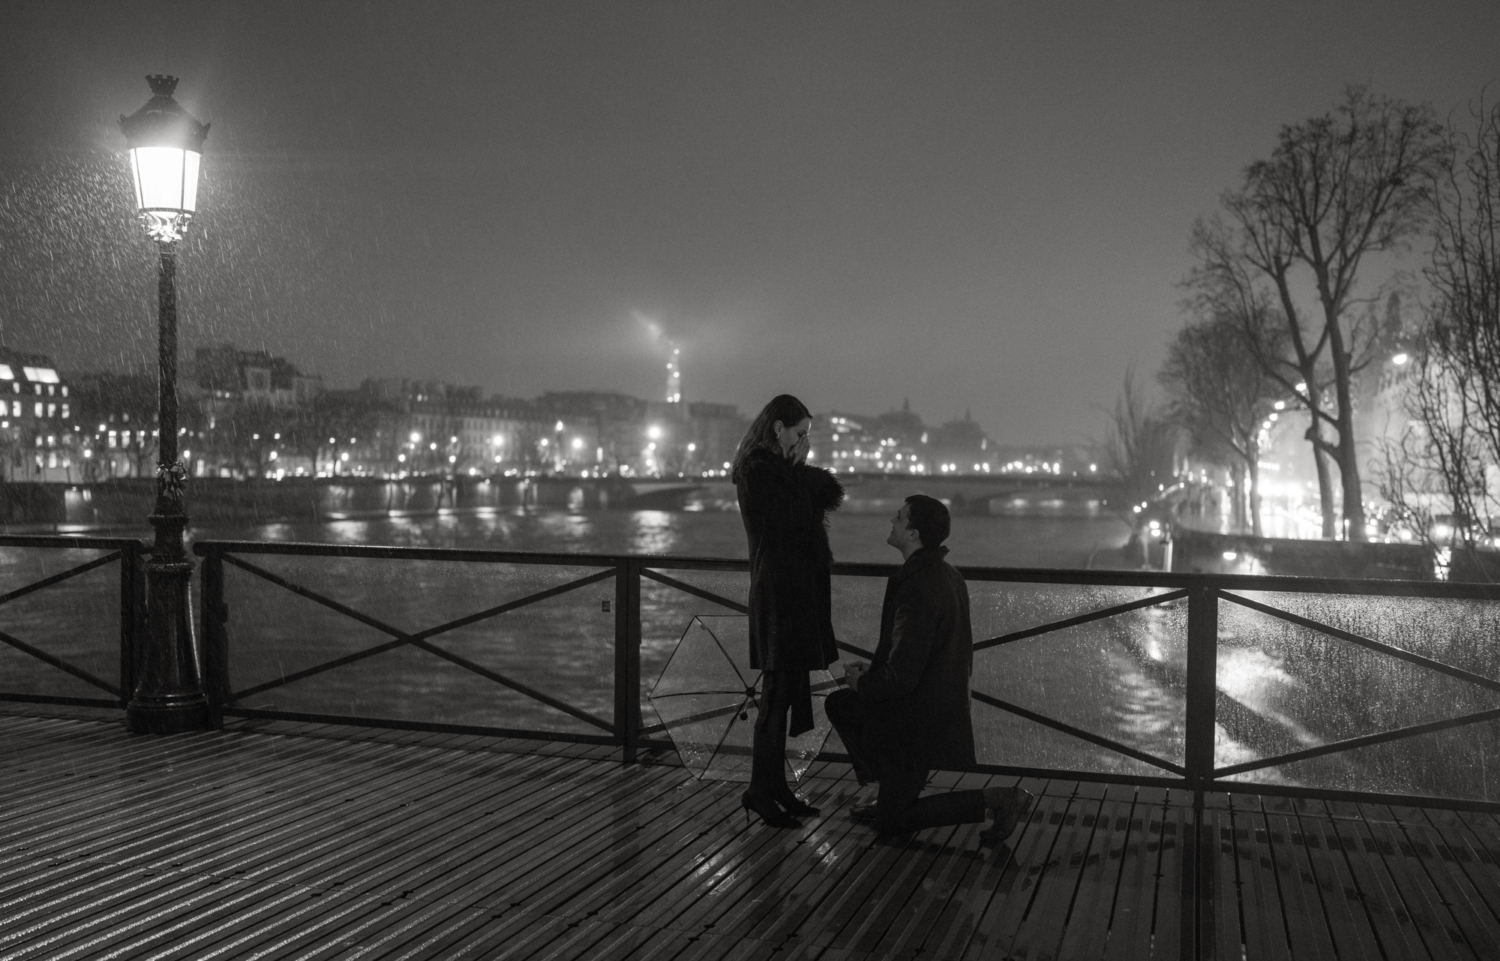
[51,410]
[15,408]
[65,411]
[65,390]
[39,406]
[113,440]
[44,375]
[6,373]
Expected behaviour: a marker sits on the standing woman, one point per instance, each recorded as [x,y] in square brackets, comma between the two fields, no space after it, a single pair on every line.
[784,504]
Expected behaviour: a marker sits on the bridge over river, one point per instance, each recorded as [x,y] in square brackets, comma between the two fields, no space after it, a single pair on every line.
[423,752]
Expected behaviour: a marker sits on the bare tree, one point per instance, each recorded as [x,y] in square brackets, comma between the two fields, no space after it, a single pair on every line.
[1449,452]
[1222,401]
[1337,188]
[1438,458]
[1141,442]
[1243,269]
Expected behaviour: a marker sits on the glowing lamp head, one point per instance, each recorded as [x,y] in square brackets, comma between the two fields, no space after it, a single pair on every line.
[166,145]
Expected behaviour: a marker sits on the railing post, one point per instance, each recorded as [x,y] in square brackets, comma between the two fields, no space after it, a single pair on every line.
[628,657]
[1202,694]
[215,638]
[131,597]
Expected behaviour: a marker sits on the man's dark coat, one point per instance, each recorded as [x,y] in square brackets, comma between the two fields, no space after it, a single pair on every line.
[784,506]
[916,691]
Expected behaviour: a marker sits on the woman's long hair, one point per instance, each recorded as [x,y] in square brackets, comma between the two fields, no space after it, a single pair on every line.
[762,434]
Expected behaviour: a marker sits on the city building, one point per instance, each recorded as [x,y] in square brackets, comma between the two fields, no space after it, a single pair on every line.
[398,427]
[960,447]
[117,417]
[249,413]
[226,372]
[610,429]
[896,442]
[39,432]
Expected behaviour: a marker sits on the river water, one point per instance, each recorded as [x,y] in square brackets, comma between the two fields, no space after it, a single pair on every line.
[1282,688]
[1065,535]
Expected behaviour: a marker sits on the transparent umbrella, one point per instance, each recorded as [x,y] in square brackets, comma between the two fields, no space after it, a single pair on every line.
[708,697]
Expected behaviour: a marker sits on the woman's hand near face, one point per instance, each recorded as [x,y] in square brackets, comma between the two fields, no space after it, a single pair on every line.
[793,441]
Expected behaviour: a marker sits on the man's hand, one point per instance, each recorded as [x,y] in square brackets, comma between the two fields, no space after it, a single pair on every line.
[852,675]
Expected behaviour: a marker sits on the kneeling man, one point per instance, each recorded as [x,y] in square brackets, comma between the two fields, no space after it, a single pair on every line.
[908,713]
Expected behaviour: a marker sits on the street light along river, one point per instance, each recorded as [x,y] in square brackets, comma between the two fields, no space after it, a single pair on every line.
[166,147]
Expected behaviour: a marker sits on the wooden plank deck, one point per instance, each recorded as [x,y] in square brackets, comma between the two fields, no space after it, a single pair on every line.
[280,841]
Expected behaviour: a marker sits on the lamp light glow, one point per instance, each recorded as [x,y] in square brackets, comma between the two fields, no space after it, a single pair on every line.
[166,148]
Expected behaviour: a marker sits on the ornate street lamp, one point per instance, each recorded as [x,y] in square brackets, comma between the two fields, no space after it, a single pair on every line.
[166,144]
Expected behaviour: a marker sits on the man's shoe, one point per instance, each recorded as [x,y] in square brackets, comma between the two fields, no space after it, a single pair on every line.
[863,812]
[1007,819]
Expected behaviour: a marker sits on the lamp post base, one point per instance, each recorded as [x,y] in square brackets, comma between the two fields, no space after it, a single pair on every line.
[169,696]
[167,715]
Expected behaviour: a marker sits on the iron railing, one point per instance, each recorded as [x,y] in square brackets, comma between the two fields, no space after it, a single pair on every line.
[1202,593]
[128,554]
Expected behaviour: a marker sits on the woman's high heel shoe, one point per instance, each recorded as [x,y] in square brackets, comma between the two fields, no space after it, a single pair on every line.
[768,811]
[796,807]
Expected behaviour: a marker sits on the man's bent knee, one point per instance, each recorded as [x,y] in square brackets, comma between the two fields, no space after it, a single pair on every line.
[841,705]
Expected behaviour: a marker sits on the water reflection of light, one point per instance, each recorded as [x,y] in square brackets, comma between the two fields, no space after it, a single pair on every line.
[655,532]
[571,529]
[1246,674]
[350,532]
[1144,712]
[1228,751]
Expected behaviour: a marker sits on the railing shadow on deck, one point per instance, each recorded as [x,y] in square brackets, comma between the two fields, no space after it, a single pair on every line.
[1378,691]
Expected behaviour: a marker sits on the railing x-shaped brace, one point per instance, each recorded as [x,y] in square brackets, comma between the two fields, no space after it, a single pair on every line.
[1366,740]
[419,639]
[979,696]
[42,655]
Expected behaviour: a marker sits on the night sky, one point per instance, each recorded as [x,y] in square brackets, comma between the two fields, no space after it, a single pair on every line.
[977,205]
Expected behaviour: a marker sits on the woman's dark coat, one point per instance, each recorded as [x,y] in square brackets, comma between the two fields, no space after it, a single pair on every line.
[784,506]
[916,691]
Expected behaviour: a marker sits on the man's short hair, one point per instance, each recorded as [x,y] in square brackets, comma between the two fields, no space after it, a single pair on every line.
[929,518]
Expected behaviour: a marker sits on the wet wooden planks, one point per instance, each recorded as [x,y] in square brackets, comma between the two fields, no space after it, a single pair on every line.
[319,842]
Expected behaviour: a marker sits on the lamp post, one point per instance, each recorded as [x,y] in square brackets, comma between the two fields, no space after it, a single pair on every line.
[166,144]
